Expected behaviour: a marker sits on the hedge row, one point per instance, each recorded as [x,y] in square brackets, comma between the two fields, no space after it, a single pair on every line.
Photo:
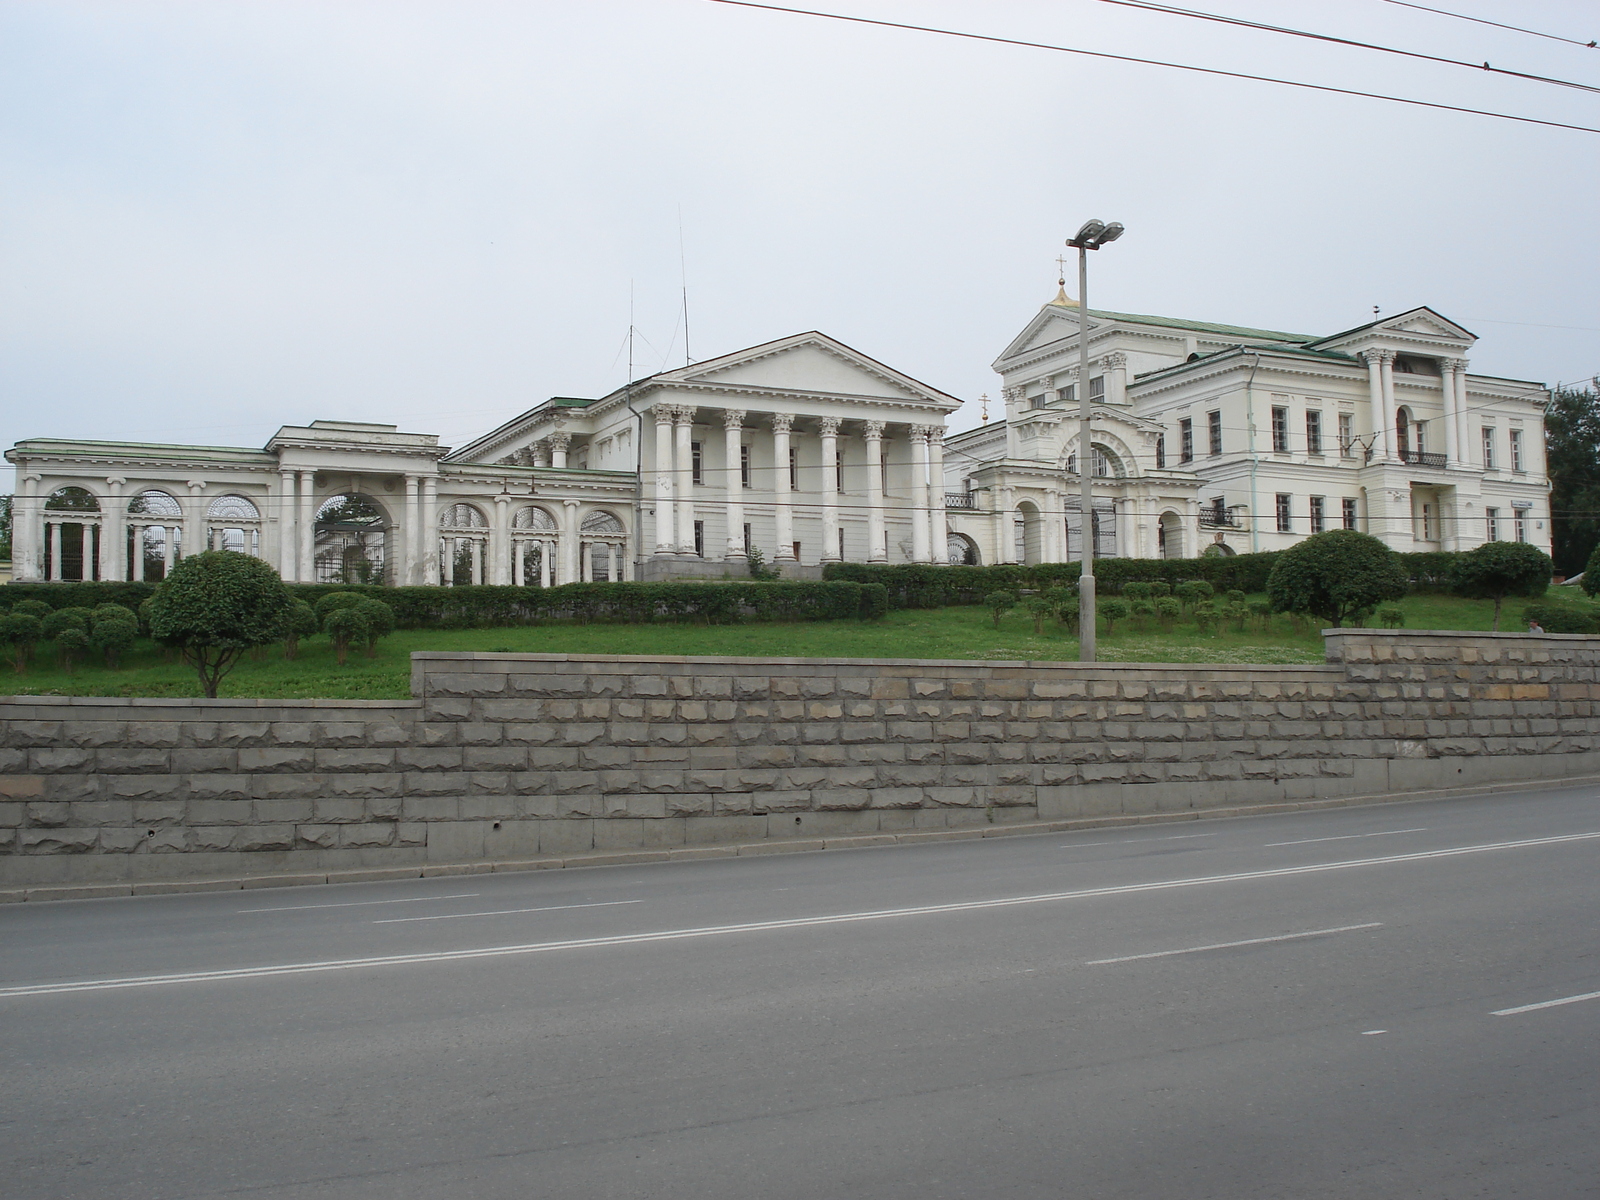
[1564,616]
[479,607]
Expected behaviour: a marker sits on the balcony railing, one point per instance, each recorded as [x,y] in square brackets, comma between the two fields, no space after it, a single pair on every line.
[1218,518]
[1423,458]
[960,500]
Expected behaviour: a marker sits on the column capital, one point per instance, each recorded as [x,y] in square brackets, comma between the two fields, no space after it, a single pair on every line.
[1048,382]
[559,441]
[1114,360]
[683,414]
[663,414]
[782,422]
[733,418]
[872,430]
[919,433]
[828,426]
[1377,356]
[928,432]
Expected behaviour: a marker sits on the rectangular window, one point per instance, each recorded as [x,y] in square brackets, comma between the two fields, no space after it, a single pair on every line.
[1038,401]
[1214,426]
[794,471]
[1161,452]
[1349,512]
[1186,440]
[841,545]
[1313,432]
[1285,523]
[1097,388]
[1318,521]
[1491,523]
[1219,510]
[1488,447]
[700,539]
[1427,522]
[838,470]
[1516,452]
[1280,430]
[1519,524]
[1069,393]
[696,464]
[747,537]
[796,546]
[744,465]
[1347,435]
[883,474]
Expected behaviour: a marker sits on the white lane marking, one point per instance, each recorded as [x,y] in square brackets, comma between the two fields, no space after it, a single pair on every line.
[673,935]
[1372,1032]
[363,903]
[1511,1012]
[1282,937]
[503,912]
[1347,837]
[1179,837]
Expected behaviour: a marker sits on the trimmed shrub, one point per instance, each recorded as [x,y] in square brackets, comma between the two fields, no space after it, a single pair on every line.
[1335,575]
[70,643]
[1392,618]
[874,602]
[333,601]
[1590,582]
[1111,610]
[1168,610]
[215,606]
[1194,592]
[345,625]
[19,634]
[998,603]
[1564,618]
[1039,605]
[52,625]
[1496,570]
[380,622]
[300,621]
[113,639]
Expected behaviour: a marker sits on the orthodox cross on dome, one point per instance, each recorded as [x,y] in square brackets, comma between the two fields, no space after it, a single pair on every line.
[1061,285]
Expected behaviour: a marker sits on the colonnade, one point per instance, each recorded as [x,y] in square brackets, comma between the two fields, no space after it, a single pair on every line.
[1453,396]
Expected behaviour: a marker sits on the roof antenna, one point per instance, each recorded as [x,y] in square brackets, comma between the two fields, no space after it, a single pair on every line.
[630,331]
[683,278]
[1374,310]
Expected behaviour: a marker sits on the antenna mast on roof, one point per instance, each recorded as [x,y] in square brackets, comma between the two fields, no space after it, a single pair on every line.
[683,279]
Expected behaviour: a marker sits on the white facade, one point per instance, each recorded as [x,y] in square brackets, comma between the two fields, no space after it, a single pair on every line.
[1253,439]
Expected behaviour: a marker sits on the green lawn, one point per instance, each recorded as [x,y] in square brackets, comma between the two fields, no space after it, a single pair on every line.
[928,633]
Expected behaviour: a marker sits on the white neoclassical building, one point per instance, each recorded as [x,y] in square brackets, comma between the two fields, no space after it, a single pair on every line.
[803,448]
[1249,439]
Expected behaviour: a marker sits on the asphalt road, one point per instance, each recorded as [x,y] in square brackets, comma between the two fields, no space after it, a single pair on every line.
[1277,1007]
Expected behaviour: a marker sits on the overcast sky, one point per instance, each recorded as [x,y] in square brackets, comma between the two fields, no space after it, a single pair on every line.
[219,218]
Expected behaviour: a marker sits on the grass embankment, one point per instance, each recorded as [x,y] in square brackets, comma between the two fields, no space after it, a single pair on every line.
[913,633]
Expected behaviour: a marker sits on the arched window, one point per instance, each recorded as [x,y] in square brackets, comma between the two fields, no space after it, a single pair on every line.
[601,522]
[232,508]
[72,499]
[961,551]
[155,503]
[462,516]
[533,518]
[351,531]
[1402,430]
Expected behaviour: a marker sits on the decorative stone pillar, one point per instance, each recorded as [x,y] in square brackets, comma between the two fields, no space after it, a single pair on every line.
[136,551]
[284,519]
[169,550]
[732,447]
[517,570]
[1382,431]
[938,524]
[547,563]
[194,519]
[828,427]
[55,550]
[569,543]
[558,449]
[1463,435]
[499,542]
[476,549]
[428,533]
[682,430]
[666,542]
[782,512]
[1013,403]
[919,493]
[413,532]
[872,433]
[1054,527]
[541,453]
[1447,396]
[1005,542]
[1115,366]
[113,531]
[27,532]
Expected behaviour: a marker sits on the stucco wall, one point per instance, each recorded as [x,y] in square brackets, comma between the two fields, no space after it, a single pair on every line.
[517,756]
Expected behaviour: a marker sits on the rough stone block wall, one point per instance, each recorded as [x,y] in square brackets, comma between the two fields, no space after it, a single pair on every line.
[521,756]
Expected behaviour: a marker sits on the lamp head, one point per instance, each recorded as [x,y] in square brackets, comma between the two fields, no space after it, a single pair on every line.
[1090,232]
[1111,233]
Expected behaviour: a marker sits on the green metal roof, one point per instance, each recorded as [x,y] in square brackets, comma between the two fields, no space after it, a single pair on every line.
[74,446]
[570,402]
[1206,327]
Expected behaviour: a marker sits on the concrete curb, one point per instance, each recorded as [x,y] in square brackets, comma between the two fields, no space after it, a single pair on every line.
[628,858]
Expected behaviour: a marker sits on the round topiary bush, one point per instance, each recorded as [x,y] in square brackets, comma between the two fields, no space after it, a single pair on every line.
[1496,570]
[1335,575]
[215,606]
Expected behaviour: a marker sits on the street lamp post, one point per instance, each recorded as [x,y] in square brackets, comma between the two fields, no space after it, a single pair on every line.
[1091,237]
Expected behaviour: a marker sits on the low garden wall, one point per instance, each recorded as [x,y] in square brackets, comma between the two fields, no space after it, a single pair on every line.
[521,756]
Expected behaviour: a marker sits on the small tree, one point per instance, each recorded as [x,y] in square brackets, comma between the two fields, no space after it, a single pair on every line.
[64,621]
[335,600]
[1591,574]
[70,643]
[1112,610]
[1193,591]
[1496,570]
[300,621]
[1168,610]
[1039,606]
[343,626]
[757,563]
[1335,575]
[1392,617]
[19,633]
[214,607]
[380,622]
[998,603]
[113,639]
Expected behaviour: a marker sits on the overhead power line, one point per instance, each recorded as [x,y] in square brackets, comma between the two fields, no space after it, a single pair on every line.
[1171,10]
[1156,62]
[1554,37]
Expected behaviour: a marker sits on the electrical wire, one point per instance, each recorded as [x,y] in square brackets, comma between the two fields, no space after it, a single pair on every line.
[1150,6]
[1554,37]
[1156,62]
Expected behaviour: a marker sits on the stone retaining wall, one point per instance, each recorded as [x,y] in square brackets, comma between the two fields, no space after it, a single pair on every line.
[506,756]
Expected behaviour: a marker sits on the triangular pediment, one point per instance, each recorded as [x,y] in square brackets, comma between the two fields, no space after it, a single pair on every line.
[1419,326]
[810,363]
[1051,324]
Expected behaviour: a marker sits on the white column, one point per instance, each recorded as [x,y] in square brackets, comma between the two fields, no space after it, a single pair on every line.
[666,542]
[1116,369]
[732,445]
[1381,434]
[547,556]
[428,531]
[55,550]
[1463,429]
[409,557]
[683,429]
[1387,376]
[1004,534]
[500,542]
[558,449]
[919,492]
[1447,395]
[306,528]
[136,550]
[195,532]
[113,531]
[782,513]
[1055,528]
[26,530]
[1013,404]
[169,550]
[569,543]
[288,539]
[938,525]
[829,429]
[872,432]
[477,560]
